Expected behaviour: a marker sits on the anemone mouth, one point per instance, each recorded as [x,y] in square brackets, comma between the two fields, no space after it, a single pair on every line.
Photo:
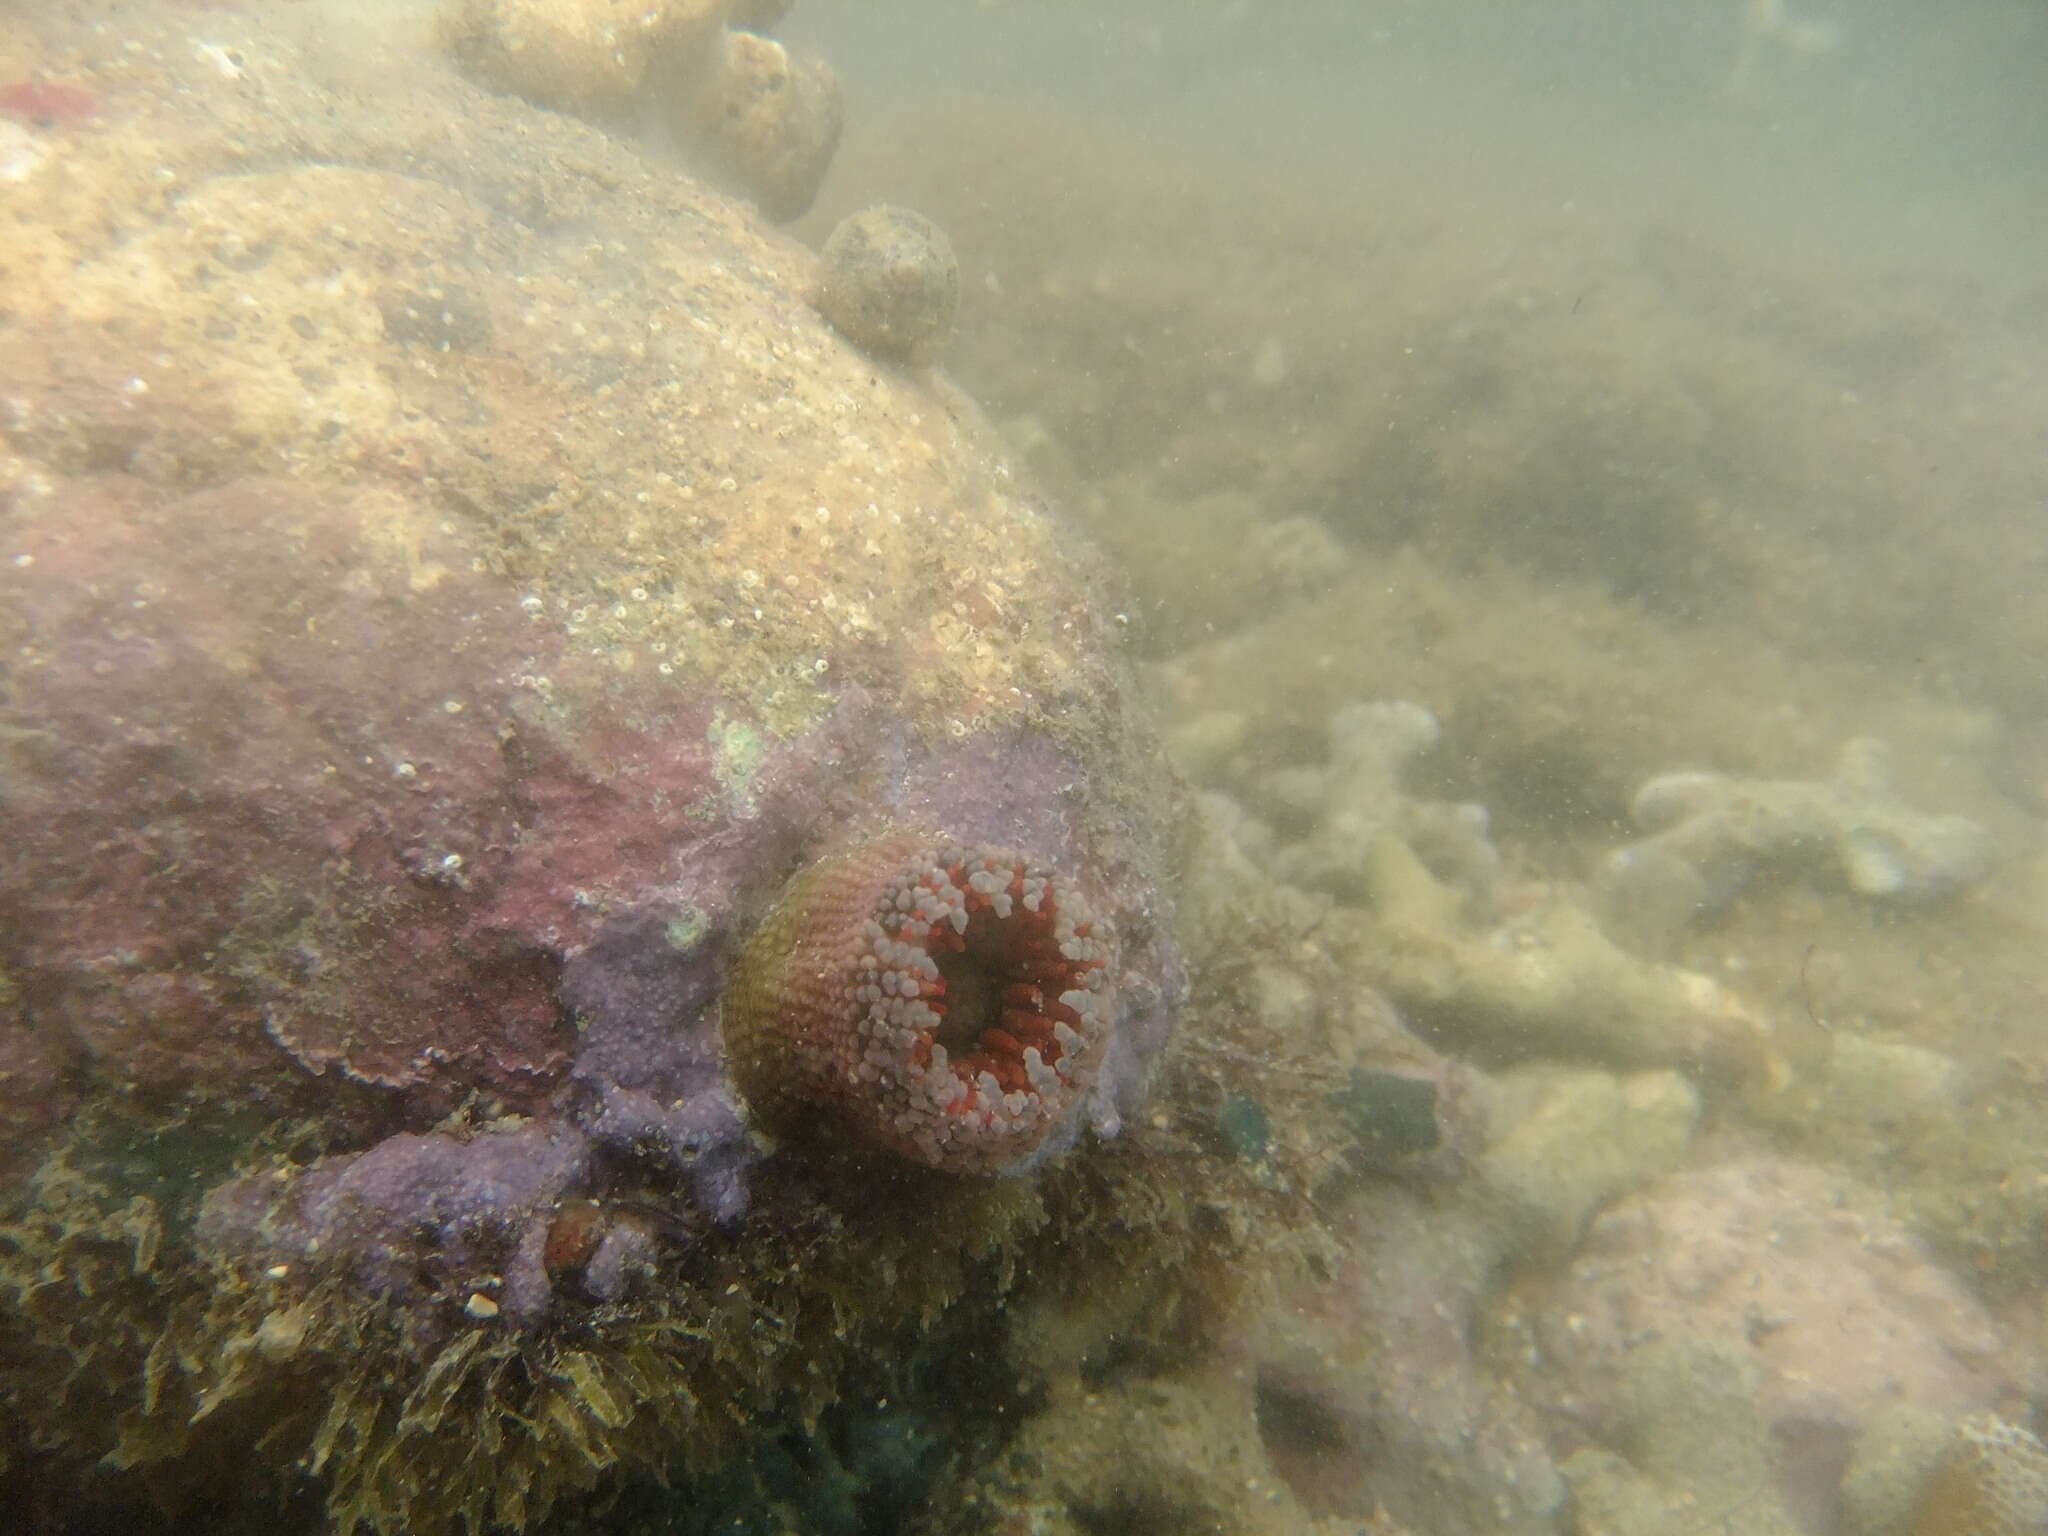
[949,1002]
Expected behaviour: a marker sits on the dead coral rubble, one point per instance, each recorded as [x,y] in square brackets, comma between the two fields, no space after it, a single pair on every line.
[1708,834]
[765,118]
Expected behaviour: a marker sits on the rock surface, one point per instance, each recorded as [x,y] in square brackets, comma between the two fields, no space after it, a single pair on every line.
[889,283]
[1784,1275]
[449,575]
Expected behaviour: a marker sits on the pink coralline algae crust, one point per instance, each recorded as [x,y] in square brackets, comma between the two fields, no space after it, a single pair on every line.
[284,805]
[266,789]
[651,1086]
[947,1002]
[307,809]
[48,103]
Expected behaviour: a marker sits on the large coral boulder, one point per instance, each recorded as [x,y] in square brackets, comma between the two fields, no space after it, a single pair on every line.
[417,556]
[450,580]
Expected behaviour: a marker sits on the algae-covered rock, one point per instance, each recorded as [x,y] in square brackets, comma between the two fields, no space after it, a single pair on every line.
[1343,807]
[1779,1275]
[1992,1481]
[769,119]
[1572,1140]
[453,582]
[1372,1390]
[1181,1452]
[589,57]
[1694,1449]
[1708,834]
[1551,982]
[889,283]
[758,115]
[1894,1457]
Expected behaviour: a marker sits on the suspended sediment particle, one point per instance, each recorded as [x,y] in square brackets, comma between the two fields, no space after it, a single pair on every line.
[946,1002]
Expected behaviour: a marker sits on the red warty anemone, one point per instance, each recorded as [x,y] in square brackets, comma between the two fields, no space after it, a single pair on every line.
[947,1002]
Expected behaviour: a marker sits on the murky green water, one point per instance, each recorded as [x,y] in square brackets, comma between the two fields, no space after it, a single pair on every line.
[1496,552]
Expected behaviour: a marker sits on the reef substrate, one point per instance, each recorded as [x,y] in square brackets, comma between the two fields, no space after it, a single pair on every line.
[455,587]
